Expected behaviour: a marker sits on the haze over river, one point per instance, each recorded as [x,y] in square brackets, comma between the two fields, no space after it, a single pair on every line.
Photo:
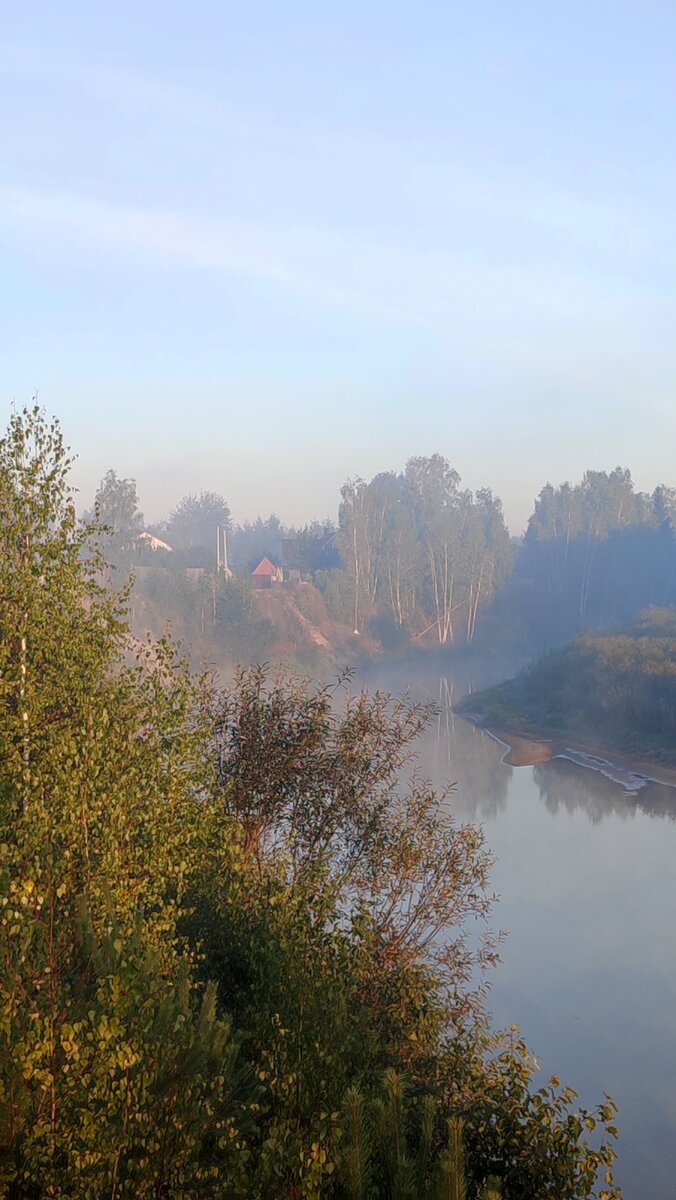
[585,875]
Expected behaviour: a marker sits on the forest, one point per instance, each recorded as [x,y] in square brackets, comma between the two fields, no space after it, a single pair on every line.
[243,955]
[414,561]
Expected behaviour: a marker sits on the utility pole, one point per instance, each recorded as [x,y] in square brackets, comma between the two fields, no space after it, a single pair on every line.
[225,551]
[221,550]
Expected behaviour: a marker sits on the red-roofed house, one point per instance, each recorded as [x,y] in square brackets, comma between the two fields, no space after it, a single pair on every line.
[265,574]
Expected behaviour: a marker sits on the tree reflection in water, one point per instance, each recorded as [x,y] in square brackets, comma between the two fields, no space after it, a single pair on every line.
[565,786]
[453,751]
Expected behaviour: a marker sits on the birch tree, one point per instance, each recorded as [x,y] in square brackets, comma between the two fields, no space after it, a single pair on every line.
[439,513]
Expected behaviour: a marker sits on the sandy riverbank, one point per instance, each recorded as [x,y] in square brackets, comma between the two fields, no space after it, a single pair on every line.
[527,750]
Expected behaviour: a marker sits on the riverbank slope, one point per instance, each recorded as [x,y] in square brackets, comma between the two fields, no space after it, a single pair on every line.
[604,700]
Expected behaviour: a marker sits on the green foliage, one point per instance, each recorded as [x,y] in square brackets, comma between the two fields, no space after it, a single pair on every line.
[58,626]
[178,863]
[240,627]
[357,1149]
[122,1082]
[324,955]
[421,551]
[105,1044]
[399,1147]
[192,525]
[337,588]
[618,687]
[534,1141]
[216,618]
[117,512]
[319,786]
[313,549]
[417,559]
[253,540]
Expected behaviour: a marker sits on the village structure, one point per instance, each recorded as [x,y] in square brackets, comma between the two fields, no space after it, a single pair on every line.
[287,571]
[265,575]
[151,542]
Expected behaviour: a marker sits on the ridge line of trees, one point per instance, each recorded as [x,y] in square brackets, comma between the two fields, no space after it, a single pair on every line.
[415,558]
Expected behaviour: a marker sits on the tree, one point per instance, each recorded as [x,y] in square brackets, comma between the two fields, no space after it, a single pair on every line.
[239,625]
[422,551]
[441,511]
[58,626]
[489,555]
[330,953]
[356,544]
[192,527]
[594,553]
[664,504]
[320,788]
[314,548]
[255,539]
[396,1146]
[117,511]
[116,1077]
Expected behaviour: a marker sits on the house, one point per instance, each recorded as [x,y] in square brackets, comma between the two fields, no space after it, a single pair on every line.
[266,574]
[152,542]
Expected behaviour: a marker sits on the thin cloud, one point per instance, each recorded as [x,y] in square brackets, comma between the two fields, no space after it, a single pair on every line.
[278,257]
[447,292]
[141,95]
[440,178]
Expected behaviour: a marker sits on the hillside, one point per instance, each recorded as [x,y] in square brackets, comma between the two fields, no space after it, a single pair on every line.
[617,688]
[227,622]
[304,631]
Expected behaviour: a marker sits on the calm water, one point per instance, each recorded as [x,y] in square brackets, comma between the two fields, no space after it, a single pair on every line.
[587,886]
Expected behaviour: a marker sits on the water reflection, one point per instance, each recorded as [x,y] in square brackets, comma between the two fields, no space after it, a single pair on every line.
[453,751]
[565,786]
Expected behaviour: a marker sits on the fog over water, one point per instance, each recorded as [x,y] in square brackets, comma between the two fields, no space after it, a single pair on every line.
[587,894]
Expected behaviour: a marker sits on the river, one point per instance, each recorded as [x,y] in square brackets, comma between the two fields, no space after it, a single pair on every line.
[585,876]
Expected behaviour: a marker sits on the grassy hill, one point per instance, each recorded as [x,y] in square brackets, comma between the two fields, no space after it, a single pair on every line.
[618,688]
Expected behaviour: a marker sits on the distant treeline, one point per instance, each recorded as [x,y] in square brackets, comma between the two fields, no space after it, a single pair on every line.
[414,558]
[618,687]
[593,556]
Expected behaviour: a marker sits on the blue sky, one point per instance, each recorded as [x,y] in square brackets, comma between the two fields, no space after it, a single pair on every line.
[261,248]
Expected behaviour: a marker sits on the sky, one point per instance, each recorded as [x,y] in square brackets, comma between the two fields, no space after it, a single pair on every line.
[263,248]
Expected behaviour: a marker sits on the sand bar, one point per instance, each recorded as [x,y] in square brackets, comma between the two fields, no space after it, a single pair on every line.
[527,750]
